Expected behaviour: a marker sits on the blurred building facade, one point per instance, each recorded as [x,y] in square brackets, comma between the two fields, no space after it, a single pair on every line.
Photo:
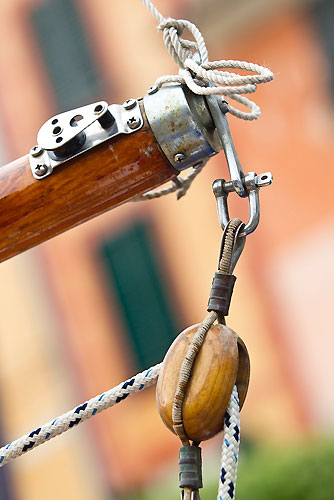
[70,328]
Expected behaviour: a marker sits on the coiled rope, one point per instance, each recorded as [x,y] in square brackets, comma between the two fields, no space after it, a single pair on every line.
[114,396]
[205,78]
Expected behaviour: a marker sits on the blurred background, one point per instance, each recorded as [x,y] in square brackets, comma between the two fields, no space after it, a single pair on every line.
[69,324]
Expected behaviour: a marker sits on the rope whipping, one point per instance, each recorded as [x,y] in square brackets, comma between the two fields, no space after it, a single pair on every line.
[205,78]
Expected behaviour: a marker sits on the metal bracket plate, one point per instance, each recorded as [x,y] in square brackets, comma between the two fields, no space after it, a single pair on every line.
[70,134]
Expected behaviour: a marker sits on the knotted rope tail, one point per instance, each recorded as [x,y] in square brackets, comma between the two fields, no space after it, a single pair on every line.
[204,78]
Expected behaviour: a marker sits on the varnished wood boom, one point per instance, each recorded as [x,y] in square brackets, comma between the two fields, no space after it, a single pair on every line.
[33,211]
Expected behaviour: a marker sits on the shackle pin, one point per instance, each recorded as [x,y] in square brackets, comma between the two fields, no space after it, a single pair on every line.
[252,183]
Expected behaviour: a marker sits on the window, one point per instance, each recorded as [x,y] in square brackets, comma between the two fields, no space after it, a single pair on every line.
[66,53]
[323,15]
[134,274]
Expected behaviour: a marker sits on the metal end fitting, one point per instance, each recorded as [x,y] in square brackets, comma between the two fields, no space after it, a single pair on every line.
[190,467]
[221,293]
[182,125]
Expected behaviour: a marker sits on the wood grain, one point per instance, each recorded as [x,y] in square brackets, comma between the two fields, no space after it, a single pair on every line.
[217,368]
[33,211]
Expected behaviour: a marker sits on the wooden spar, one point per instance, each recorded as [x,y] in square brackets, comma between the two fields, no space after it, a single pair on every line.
[33,211]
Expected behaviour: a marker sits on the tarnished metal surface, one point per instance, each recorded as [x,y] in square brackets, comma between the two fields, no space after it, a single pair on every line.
[182,126]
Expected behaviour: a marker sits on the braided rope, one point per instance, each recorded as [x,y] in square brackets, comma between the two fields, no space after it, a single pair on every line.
[205,78]
[79,414]
[114,396]
[230,450]
[180,185]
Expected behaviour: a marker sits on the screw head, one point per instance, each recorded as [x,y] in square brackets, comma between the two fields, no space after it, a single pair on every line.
[179,157]
[153,90]
[36,151]
[41,169]
[129,104]
[133,122]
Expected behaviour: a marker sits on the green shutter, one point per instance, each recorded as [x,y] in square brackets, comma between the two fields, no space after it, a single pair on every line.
[323,16]
[66,53]
[134,273]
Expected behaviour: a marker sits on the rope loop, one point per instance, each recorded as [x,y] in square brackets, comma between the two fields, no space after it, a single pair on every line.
[205,78]
[179,48]
[209,78]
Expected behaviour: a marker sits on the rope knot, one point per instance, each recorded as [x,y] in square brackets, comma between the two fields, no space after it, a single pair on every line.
[179,48]
[170,22]
[205,78]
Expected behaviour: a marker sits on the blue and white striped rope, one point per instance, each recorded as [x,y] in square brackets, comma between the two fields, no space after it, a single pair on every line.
[116,395]
[230,450]
[79,414]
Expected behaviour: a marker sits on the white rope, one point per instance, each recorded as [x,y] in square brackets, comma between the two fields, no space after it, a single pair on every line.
[198,76]
[79,414]
[205,78]
[230,450]
[180,185]
[108,399]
